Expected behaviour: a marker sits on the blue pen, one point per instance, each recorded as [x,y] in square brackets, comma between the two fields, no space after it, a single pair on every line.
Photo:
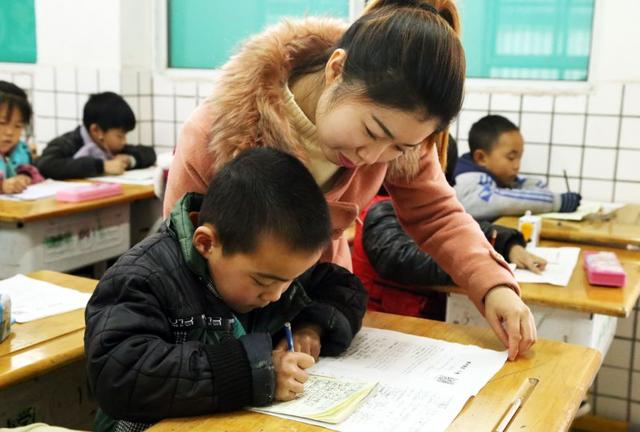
[287,332]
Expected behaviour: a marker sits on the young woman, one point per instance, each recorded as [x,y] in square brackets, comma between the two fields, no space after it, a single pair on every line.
[361,106]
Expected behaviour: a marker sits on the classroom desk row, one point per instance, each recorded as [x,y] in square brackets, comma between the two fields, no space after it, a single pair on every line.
[49,234]
[620,230]
[565,371]
[579,295]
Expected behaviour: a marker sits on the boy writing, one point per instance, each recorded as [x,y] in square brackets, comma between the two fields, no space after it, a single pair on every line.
[99,146]
[487,180]
[184,323]
[16,169]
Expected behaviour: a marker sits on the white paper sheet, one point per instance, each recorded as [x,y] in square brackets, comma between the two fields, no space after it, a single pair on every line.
[45,189]
[32,299]
[423,383]
[560,265]
[141,177]
[586,208]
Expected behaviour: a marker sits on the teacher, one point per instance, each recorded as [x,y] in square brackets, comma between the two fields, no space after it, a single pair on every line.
[361,106]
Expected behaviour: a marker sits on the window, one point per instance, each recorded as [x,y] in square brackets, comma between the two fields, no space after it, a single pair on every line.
[527,39]
[17,31]
[204,33]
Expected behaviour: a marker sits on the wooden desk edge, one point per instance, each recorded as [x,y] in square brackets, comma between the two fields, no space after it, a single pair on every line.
[147,193]
[43,364]
[66,348]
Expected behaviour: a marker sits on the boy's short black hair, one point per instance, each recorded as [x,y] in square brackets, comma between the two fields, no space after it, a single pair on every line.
[266,191]
[484,133]
[108,110]
[14,97]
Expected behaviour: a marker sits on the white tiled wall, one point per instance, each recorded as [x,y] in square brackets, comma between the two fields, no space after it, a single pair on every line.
[595,138]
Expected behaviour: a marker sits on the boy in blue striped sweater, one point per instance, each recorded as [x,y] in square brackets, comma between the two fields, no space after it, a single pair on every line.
[487,181]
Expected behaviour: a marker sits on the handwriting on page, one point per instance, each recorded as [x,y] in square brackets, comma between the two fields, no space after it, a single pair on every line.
[325,399]
[423,383]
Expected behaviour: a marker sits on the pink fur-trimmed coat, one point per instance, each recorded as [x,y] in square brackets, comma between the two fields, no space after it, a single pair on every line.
[247,109]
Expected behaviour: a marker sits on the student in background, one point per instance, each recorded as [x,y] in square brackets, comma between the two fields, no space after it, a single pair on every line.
[487,182]
[189,322]
[99,146]
[16,169]
[361,106]
[399,276]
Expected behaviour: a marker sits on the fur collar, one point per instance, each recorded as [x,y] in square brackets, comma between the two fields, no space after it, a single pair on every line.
[248,103]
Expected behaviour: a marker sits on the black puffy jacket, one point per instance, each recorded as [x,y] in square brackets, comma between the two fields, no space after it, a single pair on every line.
[396,257]
[57,160]
[160,343]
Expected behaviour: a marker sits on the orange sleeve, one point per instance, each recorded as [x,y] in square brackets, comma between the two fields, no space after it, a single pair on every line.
[430,213]
[192,165]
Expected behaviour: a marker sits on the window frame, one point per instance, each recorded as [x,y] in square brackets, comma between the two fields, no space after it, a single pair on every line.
[161,44]
[473,85]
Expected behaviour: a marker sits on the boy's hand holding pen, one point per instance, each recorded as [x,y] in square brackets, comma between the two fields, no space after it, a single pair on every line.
[290,367]
[569,201]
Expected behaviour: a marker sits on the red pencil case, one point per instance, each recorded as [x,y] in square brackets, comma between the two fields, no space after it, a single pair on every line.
[91,192]
[603,268]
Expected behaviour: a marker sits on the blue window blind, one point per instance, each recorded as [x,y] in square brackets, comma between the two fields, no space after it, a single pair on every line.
[527,39]
[204,33]
[17,31]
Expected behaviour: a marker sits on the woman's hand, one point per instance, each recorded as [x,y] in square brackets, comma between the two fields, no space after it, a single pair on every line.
[510,319]
[523,259]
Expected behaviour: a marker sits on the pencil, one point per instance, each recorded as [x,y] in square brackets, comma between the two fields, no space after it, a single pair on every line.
[289,335]
[566,180]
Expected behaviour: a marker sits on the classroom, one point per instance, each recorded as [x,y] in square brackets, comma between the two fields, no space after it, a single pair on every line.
[306,215]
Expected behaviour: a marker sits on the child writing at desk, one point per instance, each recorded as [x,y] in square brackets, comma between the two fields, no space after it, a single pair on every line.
[16,169]
[487,182]
[398,275]
[186,322]
[99,146]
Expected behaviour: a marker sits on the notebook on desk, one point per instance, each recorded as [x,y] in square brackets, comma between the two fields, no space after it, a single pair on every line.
[45,189]
[325,399]
[587,209]
[142,177]
[423,383]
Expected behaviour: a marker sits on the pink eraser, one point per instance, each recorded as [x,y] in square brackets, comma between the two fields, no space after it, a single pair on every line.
[93,191]
[603,268]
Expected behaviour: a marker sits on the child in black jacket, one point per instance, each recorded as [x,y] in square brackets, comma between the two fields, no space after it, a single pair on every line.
[99,146]
[190,320]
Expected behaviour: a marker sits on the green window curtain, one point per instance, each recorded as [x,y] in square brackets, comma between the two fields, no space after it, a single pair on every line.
[17,31]
[527,39]
[203,34]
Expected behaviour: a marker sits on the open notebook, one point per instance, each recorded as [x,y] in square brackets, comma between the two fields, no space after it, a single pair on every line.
[325,399]
[422,384]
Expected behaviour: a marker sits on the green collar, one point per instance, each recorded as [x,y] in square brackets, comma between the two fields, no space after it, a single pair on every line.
[180,226]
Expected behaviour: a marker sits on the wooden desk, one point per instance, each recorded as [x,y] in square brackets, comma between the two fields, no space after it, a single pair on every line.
[578,313]
[40,346]
[29,211]
[579,295]
[565,373]
[622,231]
[59,236]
